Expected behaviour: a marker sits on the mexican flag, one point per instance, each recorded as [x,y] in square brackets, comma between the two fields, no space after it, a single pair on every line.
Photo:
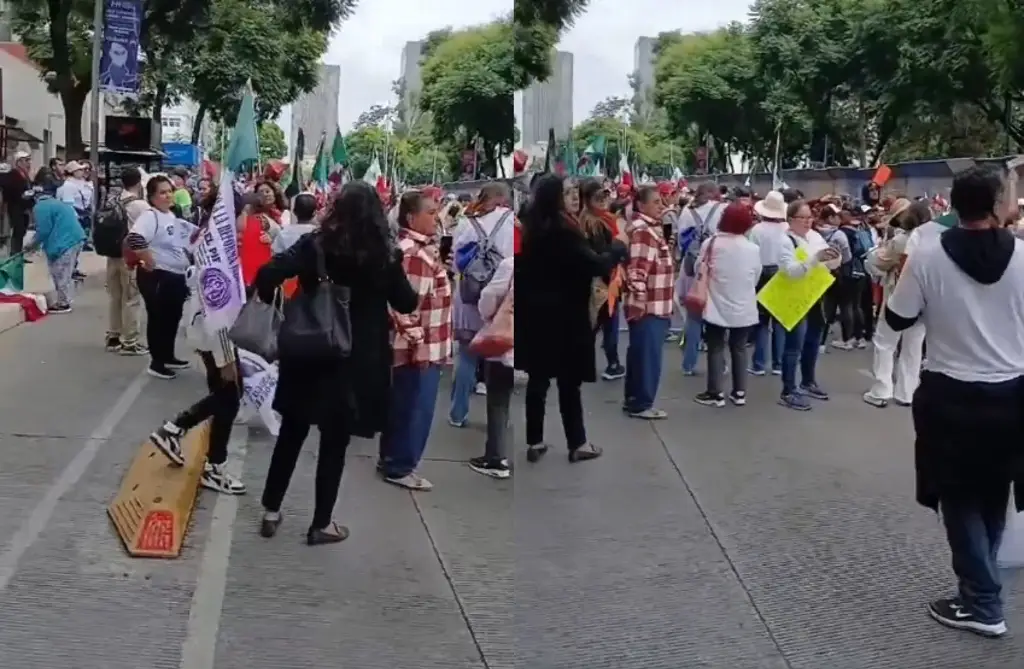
[12,288]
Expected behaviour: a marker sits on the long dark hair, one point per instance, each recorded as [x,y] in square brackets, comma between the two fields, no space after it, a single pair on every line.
[355,226]
[280,203]
[546,209]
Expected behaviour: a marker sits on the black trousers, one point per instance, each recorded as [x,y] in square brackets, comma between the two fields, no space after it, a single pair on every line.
[867,308]
[221,404]
[164,294]
[19,226]
[330,464]
[570,406]
[843,300]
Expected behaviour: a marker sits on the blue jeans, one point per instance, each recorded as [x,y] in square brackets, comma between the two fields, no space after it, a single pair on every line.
[643,361]
[771,333]
[413,396]
[791,354]
[610,337]
[692,332]
[974,529]
[809,355]
[463,383]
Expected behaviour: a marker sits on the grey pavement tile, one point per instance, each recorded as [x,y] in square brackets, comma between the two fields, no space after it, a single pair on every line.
[817,513]
[470,521]
[379,599]
[615,566]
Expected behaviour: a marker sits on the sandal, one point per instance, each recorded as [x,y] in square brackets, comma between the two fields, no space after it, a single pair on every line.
[584,453]
[332,534]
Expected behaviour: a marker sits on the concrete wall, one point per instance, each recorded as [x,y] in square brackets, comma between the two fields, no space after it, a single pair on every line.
[926,177]
[37,112]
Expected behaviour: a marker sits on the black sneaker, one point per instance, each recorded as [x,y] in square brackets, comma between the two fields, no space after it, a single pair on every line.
[710,399]
[113,344]
[160,372]
[613,373]
[536,452]
[951,613]
[168,440]
[496,469]
[178,364]
[59,309]
[739,398]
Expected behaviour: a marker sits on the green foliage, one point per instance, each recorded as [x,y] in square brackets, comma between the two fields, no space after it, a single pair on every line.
[849,81]
[468,87]
[272,143]
[536,25]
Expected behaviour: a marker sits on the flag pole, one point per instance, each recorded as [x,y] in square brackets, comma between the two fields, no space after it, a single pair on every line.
[433,170]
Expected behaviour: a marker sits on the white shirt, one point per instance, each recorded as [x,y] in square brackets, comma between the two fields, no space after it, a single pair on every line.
[504,239]
[922,234]
[732,289]
[168,239]
[710,220]
[770,239]
[812,243]
[974,330]
[77,193]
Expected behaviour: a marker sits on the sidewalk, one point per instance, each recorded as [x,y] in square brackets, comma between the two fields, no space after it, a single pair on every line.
[37,280]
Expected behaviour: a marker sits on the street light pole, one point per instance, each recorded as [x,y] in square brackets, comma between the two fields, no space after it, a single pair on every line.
[94,103]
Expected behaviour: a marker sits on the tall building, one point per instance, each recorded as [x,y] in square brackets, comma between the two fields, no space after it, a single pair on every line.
[316,113]
[548,104]
[643,68]
[410,73]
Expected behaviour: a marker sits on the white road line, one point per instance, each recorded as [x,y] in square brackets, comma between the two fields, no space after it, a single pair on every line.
[866,372]
[41,515]
[199,649]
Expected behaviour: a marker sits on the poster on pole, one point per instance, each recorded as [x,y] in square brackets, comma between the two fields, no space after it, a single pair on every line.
[119,62]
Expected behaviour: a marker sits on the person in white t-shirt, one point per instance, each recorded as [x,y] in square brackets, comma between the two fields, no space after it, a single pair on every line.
[965,287]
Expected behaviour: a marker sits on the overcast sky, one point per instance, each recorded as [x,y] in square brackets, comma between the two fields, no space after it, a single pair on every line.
[602,40]
[368,47]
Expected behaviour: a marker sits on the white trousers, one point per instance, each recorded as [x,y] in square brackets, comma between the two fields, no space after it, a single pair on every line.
[908,367]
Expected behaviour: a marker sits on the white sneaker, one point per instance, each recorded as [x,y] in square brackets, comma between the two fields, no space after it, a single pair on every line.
[842,345]
[480,389]
[216,477]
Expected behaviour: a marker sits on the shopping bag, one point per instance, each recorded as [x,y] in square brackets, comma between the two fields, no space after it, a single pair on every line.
[497,337]
[256,329]
[696,298]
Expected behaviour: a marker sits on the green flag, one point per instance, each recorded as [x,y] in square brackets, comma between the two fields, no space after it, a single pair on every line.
[295,185]
[596,149]
[244,146]
[320,170]
[569,158]
[12,274]
[339,152]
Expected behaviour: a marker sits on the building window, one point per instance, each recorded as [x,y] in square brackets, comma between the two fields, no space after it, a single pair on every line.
[171,123]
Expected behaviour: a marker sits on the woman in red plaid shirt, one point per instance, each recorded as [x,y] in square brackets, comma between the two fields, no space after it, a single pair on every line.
[423,345]
[650,278]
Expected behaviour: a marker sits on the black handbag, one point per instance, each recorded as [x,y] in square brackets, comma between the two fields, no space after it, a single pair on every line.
[317,324]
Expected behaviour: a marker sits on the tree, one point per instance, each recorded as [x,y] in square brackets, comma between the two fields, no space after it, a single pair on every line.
[613,107]
[536,25]
[57,35]
[272,143]
[375,116]
[265,45]
[467,90]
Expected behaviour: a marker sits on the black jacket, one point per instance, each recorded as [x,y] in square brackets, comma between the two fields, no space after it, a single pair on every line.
[354,392]
[553,277]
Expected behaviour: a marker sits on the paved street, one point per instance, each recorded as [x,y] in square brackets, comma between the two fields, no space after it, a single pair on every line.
[748,538]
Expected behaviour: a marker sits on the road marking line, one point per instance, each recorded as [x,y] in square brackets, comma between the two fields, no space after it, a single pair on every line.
[866,372]
[199,650]
[41,515]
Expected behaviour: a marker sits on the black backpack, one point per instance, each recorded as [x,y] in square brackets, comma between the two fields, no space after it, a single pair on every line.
[111,228]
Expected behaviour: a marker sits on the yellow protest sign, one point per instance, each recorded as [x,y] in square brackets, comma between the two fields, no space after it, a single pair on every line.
[789,299]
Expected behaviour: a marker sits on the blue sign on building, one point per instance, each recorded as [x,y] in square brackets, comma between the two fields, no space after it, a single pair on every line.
[180,154]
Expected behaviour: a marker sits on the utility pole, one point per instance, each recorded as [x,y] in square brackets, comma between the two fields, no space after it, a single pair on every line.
[94,103]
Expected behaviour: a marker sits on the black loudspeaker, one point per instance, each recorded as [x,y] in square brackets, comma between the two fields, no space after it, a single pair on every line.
[128,133]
